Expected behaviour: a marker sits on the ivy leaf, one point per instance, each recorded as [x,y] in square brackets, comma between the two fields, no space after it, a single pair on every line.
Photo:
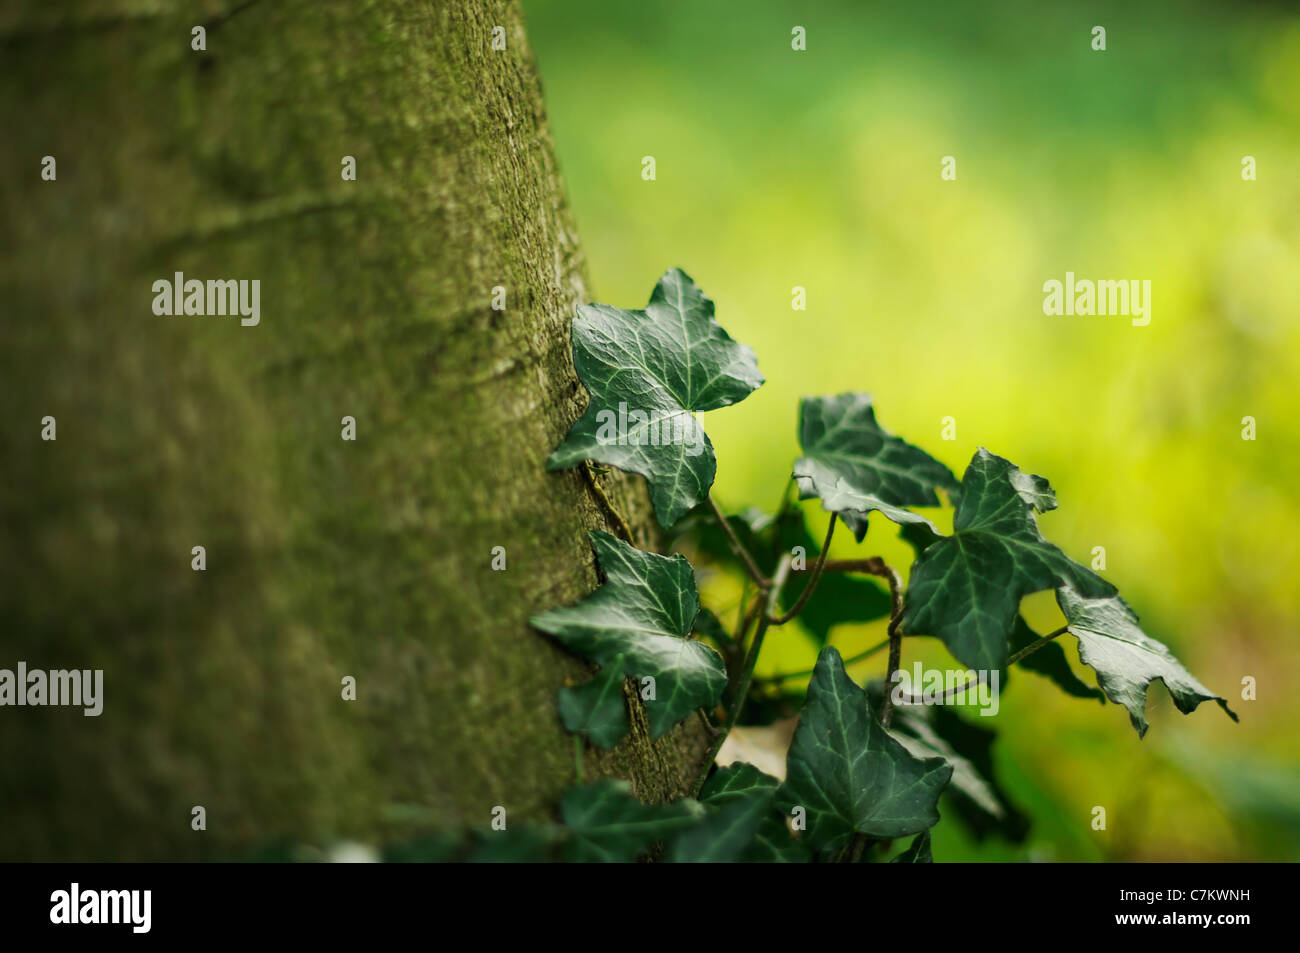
[648,372]
[607,824]
[1050,662]
[737,782]
[723,836]
[975,794]
[974,742]
[966,588]
[915,734]
[920,536]
[918,853]
[855,466]
[848,774]
[1126,659]
[743,784]
[596,708]
[643,612]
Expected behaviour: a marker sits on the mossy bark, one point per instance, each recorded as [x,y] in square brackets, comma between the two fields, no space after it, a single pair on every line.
[325,558]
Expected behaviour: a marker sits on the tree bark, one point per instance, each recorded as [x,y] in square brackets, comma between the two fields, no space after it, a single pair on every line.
[326,558]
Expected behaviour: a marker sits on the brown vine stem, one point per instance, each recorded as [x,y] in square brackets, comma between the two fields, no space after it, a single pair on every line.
[747,620]
[738,547]
[815,578]
[872,566]
[895,659]
[880,568]
[737,648]
[619,522]
[747,672]
[858,847]
[1034,646]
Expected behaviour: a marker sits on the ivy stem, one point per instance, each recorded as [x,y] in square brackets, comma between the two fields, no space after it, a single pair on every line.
[857,847]
[738,547]
[747,671]
[619,522]
[851,660]
[872,566]
[812,582]
[878,567]
[748,620]
[1034,646]
[1029,649]
[895,660]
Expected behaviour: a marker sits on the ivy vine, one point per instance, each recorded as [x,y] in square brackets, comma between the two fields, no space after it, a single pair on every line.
[860,774]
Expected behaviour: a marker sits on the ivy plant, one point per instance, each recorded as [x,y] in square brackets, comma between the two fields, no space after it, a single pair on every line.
[863,778]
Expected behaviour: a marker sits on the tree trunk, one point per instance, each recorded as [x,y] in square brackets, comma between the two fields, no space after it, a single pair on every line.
[325,558]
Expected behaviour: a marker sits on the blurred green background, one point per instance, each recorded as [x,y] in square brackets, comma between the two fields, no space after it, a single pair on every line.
[821,169]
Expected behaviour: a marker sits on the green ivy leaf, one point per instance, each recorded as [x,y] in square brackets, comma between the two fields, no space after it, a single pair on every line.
[1126,659]
[918,853]
[914,732]
[737,782]
[976,796]
[644,613]
[974,742]
[855,466]
[665,364]
[920,536]
[743,784]
[1050,662]
[607,824]
[966,588]
[848,774]
[596,708]
[723,836]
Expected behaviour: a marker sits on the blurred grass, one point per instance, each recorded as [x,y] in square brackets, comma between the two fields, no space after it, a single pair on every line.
[821,169]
